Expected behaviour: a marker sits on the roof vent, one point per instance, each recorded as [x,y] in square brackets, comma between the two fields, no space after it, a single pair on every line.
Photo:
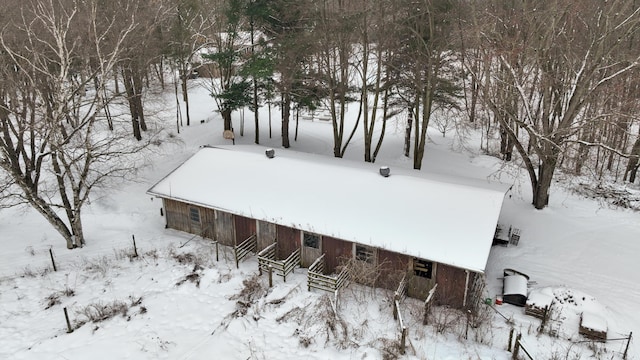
[270,153]
[385,171]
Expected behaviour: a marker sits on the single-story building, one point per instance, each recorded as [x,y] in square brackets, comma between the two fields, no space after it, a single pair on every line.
[434,228]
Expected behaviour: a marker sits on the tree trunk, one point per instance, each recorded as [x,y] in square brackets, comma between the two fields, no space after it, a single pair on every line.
[255,84]
[45,210]
[127,78]
[269,106]
[545,176]
[295,136]
[633,163]
[385,111]
[185,97]
[226,117]
[255,111]
[76,227]
[407,131]
[116,84]
[286,114]
[137,83]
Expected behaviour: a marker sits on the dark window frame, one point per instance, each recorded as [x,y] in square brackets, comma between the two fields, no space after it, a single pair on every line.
[423,268]
[311,240]
[194,214]
[365,253]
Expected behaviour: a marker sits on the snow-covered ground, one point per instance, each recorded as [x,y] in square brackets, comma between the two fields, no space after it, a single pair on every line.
[182,304]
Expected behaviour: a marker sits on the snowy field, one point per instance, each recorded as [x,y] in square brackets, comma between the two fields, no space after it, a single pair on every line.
[175,301]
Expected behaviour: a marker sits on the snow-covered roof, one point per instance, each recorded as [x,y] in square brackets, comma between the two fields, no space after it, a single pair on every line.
[445,219]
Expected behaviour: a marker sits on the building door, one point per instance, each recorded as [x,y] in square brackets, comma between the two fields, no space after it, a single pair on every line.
[224,228]
[266,234]
[311,248]
[288,241]
[451,285]
[245,227]
[337,251]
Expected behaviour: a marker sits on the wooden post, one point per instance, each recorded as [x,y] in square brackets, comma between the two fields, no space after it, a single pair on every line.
[66,316]
[270,275]
[626,349]
[52,260]
[545,314]
[466,329]
[510,340]
[217,258]
[425,318]
[516,347]
[395,306]
[161,212]
[135,248]
[403,340]
[427,304]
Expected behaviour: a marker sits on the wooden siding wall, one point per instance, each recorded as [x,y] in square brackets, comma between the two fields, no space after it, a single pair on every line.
[177,217]
[451,286]
[418,286]
[288,241]
[229,230]
[266,234]
[245,227]
[208,218]
[338,252]
[310,254]
[224,228]
[393,267]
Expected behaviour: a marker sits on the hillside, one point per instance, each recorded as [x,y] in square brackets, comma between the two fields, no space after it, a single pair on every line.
[182,304]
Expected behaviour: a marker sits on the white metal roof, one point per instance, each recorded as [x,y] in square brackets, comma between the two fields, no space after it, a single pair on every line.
[445,219]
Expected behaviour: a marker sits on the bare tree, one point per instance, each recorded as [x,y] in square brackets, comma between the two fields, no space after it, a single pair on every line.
[287,24]
[424,65]
[142,48]
[335,34]
[187,29]
[377,42]
[55,146]
[568,52]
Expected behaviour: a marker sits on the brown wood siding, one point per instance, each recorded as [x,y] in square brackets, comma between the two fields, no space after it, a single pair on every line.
[176,213]
[338,252]
[419,286]
[310,254]
[266,234]
[393,267]
[245,227]
[288,241]
[451,285]
[177,217]
[224,228]
[207,218]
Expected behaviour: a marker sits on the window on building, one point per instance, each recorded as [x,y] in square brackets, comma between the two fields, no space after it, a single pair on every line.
[311,240]
[422,268]
[365,253]
[194,214]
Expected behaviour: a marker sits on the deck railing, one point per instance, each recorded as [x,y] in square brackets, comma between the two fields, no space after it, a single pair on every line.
[267,261]
[245,248]
[317,280]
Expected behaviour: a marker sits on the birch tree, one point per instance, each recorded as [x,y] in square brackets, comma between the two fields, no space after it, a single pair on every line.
[55,145]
